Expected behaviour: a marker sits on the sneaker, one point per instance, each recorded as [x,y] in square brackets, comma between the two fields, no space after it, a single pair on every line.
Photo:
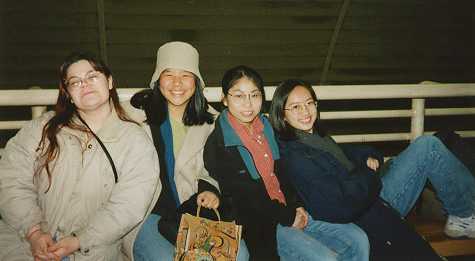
[459,227]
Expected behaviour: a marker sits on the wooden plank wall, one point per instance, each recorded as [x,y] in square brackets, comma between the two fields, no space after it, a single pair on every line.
[408,40]
[279,39]
[391,41]
[38,35]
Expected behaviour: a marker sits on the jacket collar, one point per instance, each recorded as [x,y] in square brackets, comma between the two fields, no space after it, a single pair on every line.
[229,135]
[111,131]
[232,139]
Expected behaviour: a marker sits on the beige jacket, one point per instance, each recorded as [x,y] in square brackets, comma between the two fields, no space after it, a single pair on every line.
[189,166]
[83,197]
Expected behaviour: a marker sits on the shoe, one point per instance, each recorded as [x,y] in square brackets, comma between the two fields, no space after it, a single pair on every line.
[460,227]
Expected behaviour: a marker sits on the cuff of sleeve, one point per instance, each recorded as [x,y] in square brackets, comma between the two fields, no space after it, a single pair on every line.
[205,186]
[25,230]
[299,202]
[288,216]
[290,221]
[85,241]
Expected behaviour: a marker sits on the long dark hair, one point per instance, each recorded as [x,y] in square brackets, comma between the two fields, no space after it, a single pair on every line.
[277,113]
[65,110]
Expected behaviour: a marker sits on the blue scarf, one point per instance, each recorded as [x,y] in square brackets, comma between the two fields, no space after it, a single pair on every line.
[167,136]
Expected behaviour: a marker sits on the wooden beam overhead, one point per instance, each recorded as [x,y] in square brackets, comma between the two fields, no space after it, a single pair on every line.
[101,24]
[331,47]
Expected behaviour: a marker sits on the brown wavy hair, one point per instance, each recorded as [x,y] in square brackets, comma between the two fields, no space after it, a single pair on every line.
[65,110]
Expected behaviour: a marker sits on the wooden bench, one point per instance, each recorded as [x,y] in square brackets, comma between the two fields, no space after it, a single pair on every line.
[433,232]
[429,221]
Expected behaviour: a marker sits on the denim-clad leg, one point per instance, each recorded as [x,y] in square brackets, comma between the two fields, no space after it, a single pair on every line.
[243,253]
[294,245]
[150,245]
[427,158]
[349,241]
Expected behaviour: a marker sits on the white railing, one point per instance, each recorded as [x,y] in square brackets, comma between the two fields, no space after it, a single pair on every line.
[38,100]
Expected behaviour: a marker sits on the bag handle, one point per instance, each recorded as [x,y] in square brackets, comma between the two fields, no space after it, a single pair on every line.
[116,177]
[215,211]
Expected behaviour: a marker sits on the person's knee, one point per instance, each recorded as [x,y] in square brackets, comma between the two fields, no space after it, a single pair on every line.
[428,143]
[359,243]
[427,140]
[243,252]
[363,241]
[363,245]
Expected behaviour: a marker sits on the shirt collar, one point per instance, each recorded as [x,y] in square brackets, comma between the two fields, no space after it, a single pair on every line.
[232,139]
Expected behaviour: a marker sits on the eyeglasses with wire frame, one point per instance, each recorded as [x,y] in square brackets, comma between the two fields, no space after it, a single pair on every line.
[242,98]
[297,108]
[76,82]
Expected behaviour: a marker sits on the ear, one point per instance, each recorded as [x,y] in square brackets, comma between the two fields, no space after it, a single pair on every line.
[110,82]
[224,100]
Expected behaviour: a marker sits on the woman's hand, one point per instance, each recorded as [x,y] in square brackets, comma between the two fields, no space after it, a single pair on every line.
[64,247]
[39,243]
[301,218]
[372,163]
[207,199]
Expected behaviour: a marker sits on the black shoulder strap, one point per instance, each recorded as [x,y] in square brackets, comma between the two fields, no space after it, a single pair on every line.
[116,178]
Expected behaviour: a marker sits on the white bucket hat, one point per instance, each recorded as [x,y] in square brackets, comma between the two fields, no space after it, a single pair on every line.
[177,55]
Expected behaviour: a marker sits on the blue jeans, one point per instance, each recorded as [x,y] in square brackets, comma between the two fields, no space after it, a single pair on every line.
[322,241]
[427,159]
[150,245]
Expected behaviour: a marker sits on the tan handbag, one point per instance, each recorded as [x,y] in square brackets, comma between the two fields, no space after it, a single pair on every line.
[203,239]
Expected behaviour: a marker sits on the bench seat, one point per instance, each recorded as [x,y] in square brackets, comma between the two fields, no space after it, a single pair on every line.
[433,232]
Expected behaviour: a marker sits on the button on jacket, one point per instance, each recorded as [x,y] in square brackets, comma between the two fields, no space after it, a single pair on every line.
[253,208]
[83,198]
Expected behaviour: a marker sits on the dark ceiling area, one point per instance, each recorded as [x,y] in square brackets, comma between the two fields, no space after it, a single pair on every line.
[325,42]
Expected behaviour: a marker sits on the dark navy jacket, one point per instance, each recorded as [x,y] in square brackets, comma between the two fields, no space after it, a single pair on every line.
[333,194]
[322,181]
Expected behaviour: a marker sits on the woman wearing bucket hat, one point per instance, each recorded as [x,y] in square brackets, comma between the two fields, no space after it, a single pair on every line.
[179,120]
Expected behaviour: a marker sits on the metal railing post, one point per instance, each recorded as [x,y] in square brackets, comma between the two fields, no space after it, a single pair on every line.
[37,111]
[417,118]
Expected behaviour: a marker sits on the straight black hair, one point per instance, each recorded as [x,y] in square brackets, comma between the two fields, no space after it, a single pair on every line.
[277,109]
[231,76]
[234,74]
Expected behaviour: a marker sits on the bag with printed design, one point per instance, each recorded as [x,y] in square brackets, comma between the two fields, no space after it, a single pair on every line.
[201,239]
